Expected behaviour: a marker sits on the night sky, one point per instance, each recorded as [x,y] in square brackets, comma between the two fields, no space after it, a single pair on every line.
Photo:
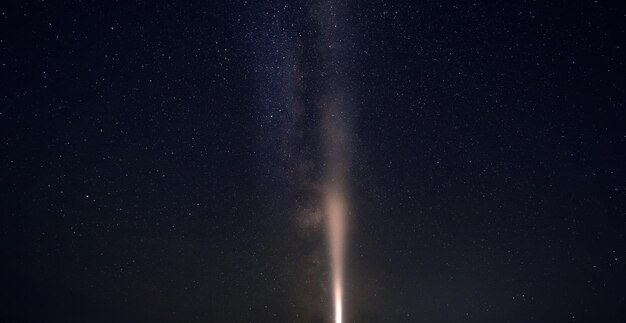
[168,161]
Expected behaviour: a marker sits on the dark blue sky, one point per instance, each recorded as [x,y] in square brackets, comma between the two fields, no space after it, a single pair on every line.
[161,161]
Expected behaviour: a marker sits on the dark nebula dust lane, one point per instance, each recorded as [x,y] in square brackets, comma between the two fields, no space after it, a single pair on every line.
[316,161]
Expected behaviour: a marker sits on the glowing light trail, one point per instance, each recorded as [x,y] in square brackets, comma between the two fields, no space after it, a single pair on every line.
[336,213]
[335,197]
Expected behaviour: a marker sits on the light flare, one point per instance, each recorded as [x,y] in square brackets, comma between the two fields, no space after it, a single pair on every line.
[336,219]
[335,195]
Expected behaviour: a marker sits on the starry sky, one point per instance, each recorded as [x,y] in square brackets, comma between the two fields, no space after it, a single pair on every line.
[165,161]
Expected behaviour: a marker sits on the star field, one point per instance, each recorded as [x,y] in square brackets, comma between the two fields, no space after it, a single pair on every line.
[164,161]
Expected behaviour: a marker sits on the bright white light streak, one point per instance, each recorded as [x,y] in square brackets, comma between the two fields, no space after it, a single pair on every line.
[336,219]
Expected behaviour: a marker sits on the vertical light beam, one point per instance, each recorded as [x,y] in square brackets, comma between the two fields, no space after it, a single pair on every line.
[335,197]
[336,213]
[335,137]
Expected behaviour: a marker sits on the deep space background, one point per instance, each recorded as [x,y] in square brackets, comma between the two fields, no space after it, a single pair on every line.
[157,157]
